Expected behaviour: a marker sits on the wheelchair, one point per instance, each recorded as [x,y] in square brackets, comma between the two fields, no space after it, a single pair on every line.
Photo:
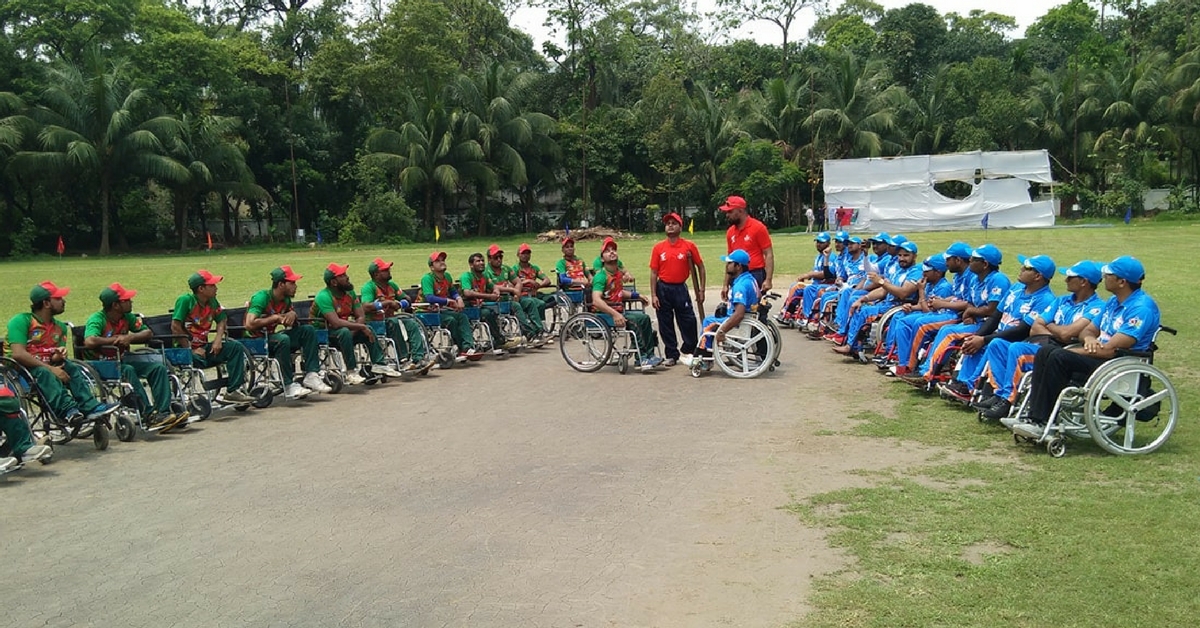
[480,331]
[566,304]
[191,388]
[749,350]
[510,325]
[590,340]
[47,427]
[263,375]
[437,338]
[1127,406]
[110,387]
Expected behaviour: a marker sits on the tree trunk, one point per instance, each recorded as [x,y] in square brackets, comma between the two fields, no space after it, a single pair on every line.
[481,199]
[181,206]
[428,219]
[226,227]
[104,191]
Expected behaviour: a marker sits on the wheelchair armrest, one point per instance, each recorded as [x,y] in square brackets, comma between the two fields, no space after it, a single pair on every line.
[1130,353]
[1169,330]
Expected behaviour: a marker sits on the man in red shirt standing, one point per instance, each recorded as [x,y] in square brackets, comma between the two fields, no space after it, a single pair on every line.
[751,236]
[671,264]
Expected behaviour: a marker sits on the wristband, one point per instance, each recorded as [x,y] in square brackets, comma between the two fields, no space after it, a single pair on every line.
[378,305]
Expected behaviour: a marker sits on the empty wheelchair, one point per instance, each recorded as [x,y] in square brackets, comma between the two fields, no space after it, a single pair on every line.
[1126,406]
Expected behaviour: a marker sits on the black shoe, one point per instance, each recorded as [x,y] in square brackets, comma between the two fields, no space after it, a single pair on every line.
[985,402]
[998,410]
[957,388]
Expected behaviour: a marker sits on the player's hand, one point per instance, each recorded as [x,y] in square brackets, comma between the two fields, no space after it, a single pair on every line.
[654,301]
[973,344]
[289,319]
[766,285]
[60,373]
[1091,345]
[725,293]
[618,320]
[700,297]
[217,345]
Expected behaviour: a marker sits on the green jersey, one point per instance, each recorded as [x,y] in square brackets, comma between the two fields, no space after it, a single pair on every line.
[342,306]
[433,286]
[99,325]
[479,283]
[533,274]
[197,319]
[263,304]
[385,292]
[610,288]
[504,274]
[41,340]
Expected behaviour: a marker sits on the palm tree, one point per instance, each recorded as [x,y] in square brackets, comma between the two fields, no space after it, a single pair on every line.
[215,158]
[1133,105]
[928,121]
[1052,109]
[430,153]
[492,115]
[98,127]
[855,113]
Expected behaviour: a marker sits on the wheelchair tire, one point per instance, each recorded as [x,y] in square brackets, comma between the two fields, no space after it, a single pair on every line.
[1056,447]
[737,355]
[125,427]
[263,396]
[445,359]
[100,436]
[623,364]
[200,407]
[334,381]
[580,342]
[1147,405]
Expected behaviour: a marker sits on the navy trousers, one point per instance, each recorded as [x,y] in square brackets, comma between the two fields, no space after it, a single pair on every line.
[675,304]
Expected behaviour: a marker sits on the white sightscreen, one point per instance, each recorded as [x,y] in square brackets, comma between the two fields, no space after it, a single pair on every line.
[897,193]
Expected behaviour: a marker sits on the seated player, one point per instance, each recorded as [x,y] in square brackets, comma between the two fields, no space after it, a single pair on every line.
[821,274]
[913,333]
[896,286]
[339,309]
[933,285]
[383,301]
[478,288]
[438,290]
[196,314]
[270,313]
[608,297]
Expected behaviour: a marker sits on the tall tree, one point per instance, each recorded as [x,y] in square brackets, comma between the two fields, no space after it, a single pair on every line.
[782,13]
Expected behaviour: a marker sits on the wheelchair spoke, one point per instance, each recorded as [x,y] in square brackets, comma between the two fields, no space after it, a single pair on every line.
[1149,401]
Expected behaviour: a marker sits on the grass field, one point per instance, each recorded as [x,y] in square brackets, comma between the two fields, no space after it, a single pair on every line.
[1090,539]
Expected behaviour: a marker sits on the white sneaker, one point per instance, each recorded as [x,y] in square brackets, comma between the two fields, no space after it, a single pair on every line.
[315,383]
[687,360]
[498,352]
[1028,430]
[37,453]
[386,369]
[354,379]
[8,464]
[296,391]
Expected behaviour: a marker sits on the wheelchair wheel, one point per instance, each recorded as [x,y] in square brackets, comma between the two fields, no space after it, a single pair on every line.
[482,335]
[586,343]
[126,425]
[1132,409]
[100,436]
[262,396]
[200,407]
[445,359]
[748,350]
[1056,447]
[334,381]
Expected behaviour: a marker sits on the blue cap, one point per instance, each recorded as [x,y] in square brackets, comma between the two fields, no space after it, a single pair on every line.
[989,253]
[1041,263]
[842,236]
[882,236]
[822,237]
[1127,268]
[911,247]
[960,250]
[898,239]
[855,240]
[738,256]
[935,262]
[1087,269]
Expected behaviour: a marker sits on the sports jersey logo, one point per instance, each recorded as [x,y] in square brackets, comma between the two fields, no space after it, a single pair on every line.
[1135,323]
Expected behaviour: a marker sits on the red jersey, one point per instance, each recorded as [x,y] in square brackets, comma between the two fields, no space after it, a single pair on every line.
[673,262]
[752,238]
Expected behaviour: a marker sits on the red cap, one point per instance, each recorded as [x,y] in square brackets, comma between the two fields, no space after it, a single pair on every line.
[55,291]
[494,249]
[607,243]
[732,203]
[337,269]
[436,255]
[209,278]
[524,247]
[568,239]
[672,216]
[123,293]
[378,265]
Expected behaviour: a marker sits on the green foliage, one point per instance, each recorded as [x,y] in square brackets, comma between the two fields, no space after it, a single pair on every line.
[23,240]
[757,171]
[378,213]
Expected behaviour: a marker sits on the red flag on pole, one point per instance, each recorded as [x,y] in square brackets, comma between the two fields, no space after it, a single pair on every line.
[209,240]
[61,248]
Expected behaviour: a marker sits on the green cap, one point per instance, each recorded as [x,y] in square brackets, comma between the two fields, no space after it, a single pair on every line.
[284,273]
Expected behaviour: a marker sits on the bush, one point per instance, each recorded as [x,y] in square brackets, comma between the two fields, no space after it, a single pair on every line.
[379,213]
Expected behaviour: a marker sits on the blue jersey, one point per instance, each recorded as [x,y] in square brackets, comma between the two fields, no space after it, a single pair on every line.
[745,291]
[989,289]
[964,285]
[1138,316]
[854,270]
[943,289]
[1065,310]
[1019,303]
[821,261]
[900,276]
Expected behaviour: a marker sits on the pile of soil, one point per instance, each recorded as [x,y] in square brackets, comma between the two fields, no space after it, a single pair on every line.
[591,233]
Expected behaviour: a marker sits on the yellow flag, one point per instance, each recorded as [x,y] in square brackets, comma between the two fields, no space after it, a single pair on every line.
[692,226]
[437,234]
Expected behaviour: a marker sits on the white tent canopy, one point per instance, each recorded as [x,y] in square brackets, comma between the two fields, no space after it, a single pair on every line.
[897,193]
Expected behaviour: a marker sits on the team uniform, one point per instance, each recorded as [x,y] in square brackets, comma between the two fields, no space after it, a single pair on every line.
[48,342]
[1007,361]
[342,338]
[753,238]
[532,303]
[898,276]
[198,320]
[612,290]
[481,283]
[913,333]
[281,344]
[1016,308]
[440,292]
[744,290]
[406,332]
[943,289]
[988,289]
[672,263]
[798,299]
[572,268]
[132,371]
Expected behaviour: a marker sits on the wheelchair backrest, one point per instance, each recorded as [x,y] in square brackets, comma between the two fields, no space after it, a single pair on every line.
[235,322]
[159,325]
[303,308]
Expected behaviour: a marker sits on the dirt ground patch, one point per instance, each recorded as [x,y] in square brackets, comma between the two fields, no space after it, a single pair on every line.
[508,493]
